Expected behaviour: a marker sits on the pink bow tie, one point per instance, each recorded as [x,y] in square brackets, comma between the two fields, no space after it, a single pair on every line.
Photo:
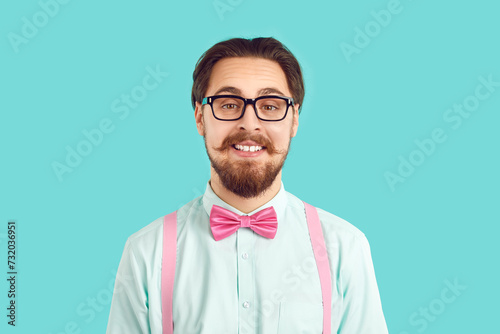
[224,222]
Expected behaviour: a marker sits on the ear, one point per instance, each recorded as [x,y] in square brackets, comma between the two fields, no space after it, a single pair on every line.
[295,121]
[198,116]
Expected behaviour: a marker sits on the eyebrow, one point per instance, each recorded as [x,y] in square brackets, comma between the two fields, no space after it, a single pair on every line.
[236,91]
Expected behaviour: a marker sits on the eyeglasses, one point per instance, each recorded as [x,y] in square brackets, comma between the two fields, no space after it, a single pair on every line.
[270,108]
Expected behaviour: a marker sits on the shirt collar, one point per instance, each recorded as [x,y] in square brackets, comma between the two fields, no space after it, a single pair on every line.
[278,202]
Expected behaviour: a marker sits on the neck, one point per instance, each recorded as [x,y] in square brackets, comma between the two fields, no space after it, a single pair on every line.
[245,205]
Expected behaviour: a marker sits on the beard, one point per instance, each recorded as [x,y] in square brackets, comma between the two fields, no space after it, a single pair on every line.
[246,178]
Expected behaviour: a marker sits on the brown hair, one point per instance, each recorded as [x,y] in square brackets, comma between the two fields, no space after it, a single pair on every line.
[261,47]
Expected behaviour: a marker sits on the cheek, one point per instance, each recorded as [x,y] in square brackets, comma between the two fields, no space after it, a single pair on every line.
[280,135]
[215,133]
[280,141]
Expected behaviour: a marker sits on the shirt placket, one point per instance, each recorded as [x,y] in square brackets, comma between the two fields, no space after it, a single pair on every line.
[246,279]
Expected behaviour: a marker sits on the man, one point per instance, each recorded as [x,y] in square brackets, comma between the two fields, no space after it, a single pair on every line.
[246,97]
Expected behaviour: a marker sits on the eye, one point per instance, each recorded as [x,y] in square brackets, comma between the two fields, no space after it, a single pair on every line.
[269,108]
[229,106]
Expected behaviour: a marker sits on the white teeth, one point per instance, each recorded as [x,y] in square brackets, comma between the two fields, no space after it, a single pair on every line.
[248,148]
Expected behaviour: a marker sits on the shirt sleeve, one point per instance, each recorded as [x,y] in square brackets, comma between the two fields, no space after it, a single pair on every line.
[129,306]
[362,313]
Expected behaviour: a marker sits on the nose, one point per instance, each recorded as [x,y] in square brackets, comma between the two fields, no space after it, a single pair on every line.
[249,121]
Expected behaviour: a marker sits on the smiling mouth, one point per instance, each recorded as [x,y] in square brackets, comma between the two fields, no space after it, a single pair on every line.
[248,148]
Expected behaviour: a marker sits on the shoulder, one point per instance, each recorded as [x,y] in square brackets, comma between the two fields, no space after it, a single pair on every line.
[143,243]
[336,230]
[336,227]
[148,239]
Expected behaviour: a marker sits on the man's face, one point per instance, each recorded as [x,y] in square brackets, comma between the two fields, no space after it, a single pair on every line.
[247,174]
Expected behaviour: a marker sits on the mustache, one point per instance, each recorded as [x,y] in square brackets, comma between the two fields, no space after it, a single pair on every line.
[242,136]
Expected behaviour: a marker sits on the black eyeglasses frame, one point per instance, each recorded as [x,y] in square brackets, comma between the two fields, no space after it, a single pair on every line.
[209,100]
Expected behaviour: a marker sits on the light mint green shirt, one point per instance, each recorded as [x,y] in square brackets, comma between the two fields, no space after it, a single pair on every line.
[247,283]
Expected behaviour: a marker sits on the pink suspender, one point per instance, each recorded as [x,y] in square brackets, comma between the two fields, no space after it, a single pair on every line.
[168,270]
[321,256]
[170,252]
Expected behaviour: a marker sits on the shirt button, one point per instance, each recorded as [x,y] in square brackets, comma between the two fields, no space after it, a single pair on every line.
[246,304]
[244,255]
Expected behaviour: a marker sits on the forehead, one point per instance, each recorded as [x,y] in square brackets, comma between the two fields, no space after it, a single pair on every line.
[250,75]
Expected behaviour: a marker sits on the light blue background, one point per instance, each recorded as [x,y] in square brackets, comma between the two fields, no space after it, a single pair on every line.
[358,117]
